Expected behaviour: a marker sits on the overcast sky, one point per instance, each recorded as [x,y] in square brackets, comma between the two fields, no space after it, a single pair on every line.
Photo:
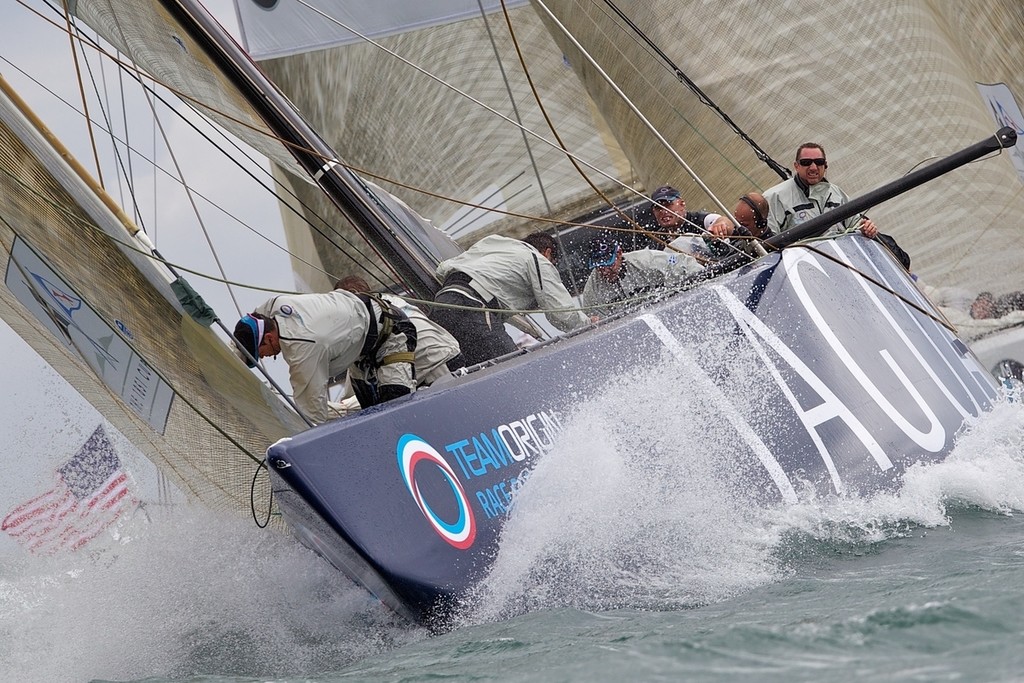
[44,420]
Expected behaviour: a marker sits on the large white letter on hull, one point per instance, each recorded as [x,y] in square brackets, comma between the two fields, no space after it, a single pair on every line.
[712,390]
[934,439]
[829,409]
[978,387]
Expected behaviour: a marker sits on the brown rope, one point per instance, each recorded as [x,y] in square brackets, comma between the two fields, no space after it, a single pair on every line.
[81,91]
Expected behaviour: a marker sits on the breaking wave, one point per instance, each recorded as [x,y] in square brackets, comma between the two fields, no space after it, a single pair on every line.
[642,506]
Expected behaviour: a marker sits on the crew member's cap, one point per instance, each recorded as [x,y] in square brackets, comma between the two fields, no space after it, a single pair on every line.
[664,195]
[602,252]
[249,334]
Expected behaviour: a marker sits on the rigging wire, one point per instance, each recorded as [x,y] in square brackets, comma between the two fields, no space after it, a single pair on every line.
[360,259]
[613,180]
[702,97]
[257,233]
[551,125]
[262,132]
[105,99]
[515,107]
[562,147]
[81,90]
[173,266]
[192,202]
[636,111]
[667,103]
[128,144]
[110,127]
[187,188]
[355,169]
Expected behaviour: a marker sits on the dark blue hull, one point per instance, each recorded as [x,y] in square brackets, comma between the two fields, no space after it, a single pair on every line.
[860,380]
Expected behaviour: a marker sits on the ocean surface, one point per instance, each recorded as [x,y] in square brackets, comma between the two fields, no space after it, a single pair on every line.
[626,561]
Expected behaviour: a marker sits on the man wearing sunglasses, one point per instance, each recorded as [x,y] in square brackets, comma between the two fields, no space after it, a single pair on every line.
[808,194]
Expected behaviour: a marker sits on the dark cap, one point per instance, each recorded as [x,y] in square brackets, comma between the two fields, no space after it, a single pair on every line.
[666,194]
[602,252]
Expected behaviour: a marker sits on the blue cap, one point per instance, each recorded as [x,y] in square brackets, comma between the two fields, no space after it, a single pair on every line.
[602,252]
[247,333]
[666,194]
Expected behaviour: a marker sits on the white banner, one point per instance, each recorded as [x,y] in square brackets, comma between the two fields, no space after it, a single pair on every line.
[276,28]
[73,322]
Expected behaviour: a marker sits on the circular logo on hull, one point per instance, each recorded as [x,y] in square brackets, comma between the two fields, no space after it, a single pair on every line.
[414,452]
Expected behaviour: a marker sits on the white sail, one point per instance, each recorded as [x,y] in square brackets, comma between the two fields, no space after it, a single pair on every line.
[448,140]
[885,87]
[80,291]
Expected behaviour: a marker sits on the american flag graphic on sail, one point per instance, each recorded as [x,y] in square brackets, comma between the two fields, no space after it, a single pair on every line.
[90,493]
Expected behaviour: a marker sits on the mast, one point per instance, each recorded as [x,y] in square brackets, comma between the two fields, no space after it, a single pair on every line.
[342,186]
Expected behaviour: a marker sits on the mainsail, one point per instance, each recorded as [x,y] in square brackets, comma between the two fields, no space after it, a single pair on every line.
[885,87]
[431,109]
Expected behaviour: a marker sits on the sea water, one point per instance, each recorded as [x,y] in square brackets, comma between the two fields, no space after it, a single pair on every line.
[629,557]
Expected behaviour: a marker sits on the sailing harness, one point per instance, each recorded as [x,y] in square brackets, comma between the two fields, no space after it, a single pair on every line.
[462,284]
[382,326]
[384,320]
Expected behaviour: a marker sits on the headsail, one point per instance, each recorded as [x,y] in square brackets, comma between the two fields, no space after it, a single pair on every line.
[80,291]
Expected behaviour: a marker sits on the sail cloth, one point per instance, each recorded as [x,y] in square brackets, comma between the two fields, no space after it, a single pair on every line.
[884,86]
[115,331]
[407,129]
[887,87]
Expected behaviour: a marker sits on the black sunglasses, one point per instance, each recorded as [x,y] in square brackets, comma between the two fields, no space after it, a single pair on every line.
[808,162]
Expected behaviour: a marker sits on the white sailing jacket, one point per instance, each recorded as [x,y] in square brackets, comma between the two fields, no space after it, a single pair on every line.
[518,276]
[321,336]
[642,271]
[790,203]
